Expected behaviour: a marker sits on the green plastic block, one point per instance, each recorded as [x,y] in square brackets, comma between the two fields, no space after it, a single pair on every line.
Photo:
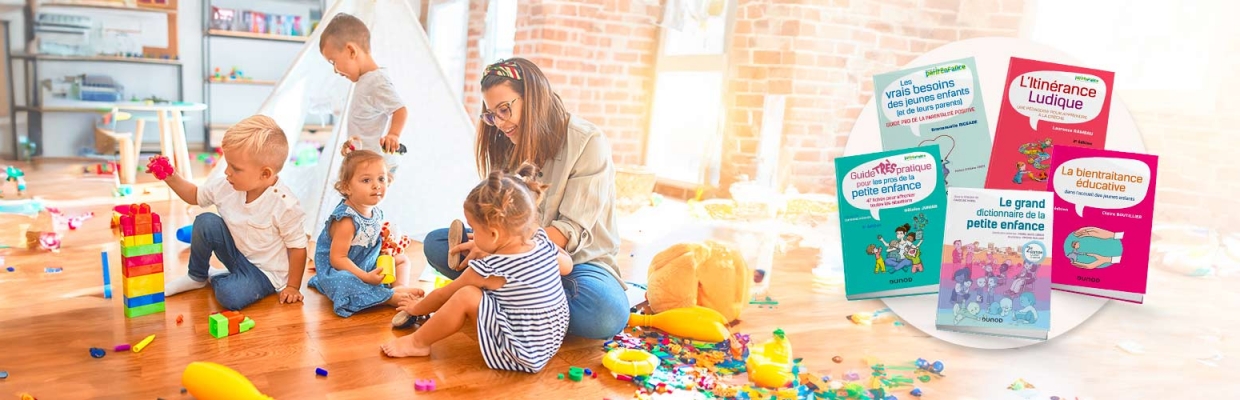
[575,373]
[134,251]
[217,325]
[144,310]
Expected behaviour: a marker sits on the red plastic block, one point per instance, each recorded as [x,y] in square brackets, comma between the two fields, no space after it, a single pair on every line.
[143,270]
[127,262]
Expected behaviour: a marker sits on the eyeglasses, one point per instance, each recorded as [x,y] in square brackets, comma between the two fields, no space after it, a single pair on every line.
[502,112]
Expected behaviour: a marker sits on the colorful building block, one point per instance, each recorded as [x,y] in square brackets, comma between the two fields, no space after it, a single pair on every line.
[227,323]
[135,302]
[142,260]
[144,310]
[142,250]
[144,285]
[142,270]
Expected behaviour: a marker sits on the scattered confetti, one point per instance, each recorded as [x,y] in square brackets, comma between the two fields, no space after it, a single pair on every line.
[1131,347]
[53,270]
[97,352]
[837,359]
[1019,385]
[4,374]
[11,269]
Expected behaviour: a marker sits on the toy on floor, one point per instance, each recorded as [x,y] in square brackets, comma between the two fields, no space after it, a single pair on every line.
[107,168]
[142,261]
[770,363]
[424,385]
[228,323]
[631,362]
[17,177]
[137,348]
[696,323]
[707,274]
[107,276]
[185,233]
[211,381]
[390,246]
[160,166]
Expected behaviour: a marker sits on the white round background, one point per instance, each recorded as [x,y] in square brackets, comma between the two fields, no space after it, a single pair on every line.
[992,54]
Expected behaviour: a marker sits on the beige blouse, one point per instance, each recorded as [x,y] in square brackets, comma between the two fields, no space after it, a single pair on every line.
[581,196]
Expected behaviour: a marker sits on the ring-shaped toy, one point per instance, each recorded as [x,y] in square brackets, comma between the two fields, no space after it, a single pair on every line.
[631,362]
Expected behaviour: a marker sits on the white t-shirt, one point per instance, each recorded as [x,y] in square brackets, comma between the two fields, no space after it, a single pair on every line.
[264,229]
[370,112]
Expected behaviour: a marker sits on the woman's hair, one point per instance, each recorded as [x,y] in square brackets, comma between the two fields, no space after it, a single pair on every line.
[544,121]
[352,161]
[507,202]
[903,228]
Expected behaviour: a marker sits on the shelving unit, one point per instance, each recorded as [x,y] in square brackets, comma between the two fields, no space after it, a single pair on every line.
[32,98]
[229,41]
[257,36]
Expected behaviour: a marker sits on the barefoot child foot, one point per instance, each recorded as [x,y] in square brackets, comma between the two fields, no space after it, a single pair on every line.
[405,346]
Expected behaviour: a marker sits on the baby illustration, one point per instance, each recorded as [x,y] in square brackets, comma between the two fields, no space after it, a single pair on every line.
[1076,251]
[969,311]
[957,252]
[914,252]
[963,284]
[1027,314]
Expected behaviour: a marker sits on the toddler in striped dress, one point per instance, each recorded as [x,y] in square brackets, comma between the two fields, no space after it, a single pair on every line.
[514,294]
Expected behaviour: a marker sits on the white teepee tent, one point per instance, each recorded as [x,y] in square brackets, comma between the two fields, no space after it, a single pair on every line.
[437,171]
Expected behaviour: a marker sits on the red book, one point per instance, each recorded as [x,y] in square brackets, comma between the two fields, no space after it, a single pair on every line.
[1046,104]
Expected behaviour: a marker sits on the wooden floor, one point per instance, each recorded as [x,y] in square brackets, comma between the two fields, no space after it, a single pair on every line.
[48,321]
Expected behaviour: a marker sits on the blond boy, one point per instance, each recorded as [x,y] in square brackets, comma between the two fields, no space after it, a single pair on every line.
[259,233]
[376,113]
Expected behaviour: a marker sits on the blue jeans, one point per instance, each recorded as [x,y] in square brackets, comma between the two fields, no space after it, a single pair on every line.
[244,283]
[598,308]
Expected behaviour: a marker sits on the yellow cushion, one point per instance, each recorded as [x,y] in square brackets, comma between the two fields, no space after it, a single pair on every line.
[707,274]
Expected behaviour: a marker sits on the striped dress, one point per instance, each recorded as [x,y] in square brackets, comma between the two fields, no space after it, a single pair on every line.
[522,324]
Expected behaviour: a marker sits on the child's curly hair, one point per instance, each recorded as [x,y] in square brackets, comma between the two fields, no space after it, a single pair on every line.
[508,201]
[349,166]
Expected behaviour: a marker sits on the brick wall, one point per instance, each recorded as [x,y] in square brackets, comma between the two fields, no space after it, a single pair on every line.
[823,56]
[599,56]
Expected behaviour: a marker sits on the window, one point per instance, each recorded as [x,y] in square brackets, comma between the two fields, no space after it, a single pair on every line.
[684,140]
[447,24]
[501,31]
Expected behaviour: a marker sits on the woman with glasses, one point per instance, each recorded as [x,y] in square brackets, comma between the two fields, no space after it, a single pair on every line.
[524,120]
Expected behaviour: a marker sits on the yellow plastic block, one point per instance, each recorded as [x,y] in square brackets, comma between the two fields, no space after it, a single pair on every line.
[144,285]
[146,239]
[129,241]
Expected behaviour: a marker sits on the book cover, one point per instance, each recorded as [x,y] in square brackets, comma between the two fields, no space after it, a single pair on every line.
[996,275]
[1046,104]
[891,209]
[939,104]
[1104,218]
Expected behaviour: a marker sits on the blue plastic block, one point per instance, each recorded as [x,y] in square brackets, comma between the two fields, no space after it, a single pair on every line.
[185,233]
[144,300]
[157,238]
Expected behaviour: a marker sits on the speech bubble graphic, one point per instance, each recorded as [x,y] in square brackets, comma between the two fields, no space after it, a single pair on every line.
[891,182]
[1102,182]
[928,95]
[1057,96]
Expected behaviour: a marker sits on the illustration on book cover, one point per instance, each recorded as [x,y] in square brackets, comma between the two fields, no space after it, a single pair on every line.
[996,270]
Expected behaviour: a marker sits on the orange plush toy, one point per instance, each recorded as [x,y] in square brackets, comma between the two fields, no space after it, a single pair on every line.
[707,274]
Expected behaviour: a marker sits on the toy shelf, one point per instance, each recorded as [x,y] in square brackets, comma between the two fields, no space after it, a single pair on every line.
[258,82]
[258,36]
[104,5]
[131,60]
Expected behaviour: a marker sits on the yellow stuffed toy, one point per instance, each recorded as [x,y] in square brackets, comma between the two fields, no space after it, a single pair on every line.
[707,274]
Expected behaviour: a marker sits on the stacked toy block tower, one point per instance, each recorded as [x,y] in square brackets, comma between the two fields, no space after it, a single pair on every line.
[142,261]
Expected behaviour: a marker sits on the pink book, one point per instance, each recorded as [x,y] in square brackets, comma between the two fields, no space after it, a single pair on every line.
[1104,215]
[1046,105]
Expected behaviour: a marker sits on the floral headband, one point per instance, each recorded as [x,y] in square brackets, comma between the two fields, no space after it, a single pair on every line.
[507,69]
